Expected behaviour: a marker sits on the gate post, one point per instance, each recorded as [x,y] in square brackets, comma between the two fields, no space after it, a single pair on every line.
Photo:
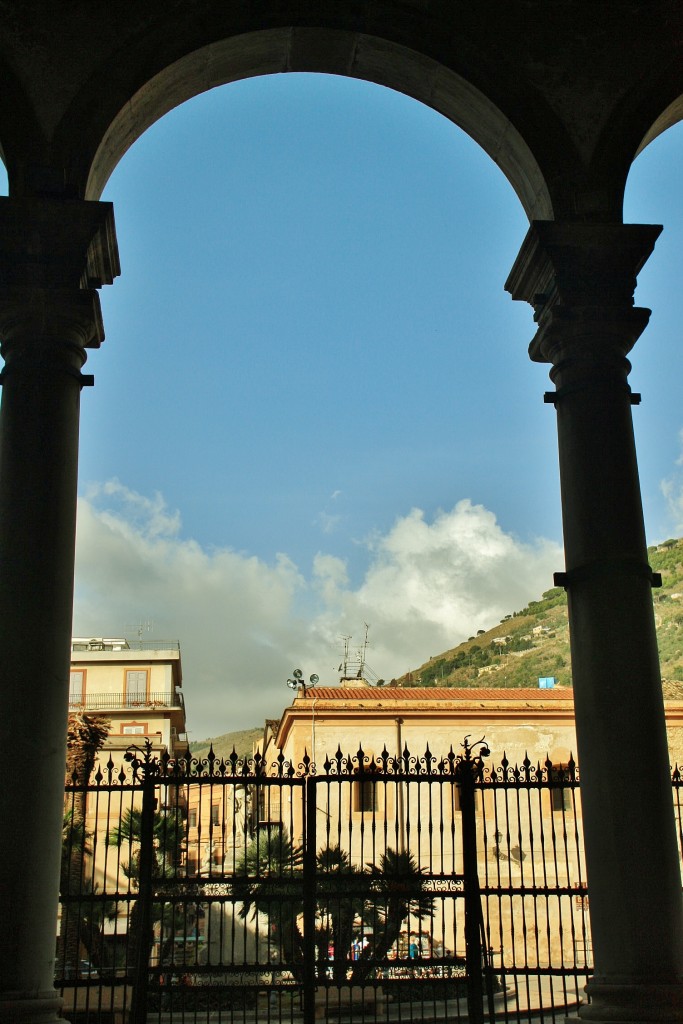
[309,886]
[145,888]
[468,769]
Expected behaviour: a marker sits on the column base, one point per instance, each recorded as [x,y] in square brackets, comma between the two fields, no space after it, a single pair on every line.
[631,1004]
[31,1008]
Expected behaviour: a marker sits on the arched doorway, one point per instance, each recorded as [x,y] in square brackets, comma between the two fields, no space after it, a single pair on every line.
[577,272]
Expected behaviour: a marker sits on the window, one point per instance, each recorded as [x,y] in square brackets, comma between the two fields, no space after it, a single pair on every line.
[136,686]
[560,793]
[215,814]
[192,819]
[77,686]
[269,804]
[133,729]
[365,795]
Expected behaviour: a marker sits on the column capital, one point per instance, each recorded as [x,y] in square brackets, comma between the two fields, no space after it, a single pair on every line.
[57,243]
[580,279]
[55,253]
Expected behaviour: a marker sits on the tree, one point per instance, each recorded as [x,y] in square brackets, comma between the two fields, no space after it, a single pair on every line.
[165,843]
[382,897]
[91,914]
[85,737]
[395,894]
[343,891]
[269,880]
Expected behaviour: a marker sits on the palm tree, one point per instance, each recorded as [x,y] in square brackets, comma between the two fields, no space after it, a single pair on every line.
[382,896]
[86,735]
[396,894]
[165,843]
[91,913]
[269,881]
[343,891]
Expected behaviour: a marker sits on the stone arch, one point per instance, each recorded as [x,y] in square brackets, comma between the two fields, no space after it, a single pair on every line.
[653,104]
[336,52]
[667,119]
[20,130]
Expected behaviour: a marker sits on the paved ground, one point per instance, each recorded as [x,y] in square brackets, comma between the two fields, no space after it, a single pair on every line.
[544,1000]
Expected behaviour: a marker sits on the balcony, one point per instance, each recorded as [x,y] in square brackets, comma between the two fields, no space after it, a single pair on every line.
[155,701]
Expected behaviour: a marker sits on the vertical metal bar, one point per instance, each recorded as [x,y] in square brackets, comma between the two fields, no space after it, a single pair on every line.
[485,919]
[309,972]
[401,821]
[475,993]
[145,894]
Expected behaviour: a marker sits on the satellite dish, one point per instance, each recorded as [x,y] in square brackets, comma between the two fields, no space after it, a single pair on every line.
[314,679]
[298,674]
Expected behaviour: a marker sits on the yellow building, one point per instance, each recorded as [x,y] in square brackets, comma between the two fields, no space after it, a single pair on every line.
[516,722]
[137,685]
[523,836]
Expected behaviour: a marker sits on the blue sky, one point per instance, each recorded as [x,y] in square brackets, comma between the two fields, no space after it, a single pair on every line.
[314,407]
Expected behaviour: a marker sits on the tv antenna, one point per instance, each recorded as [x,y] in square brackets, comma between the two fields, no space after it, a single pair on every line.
[363,651]
[143,626]
[354,664]
[343,668]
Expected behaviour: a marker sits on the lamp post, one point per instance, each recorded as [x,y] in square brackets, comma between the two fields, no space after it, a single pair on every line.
[297,682]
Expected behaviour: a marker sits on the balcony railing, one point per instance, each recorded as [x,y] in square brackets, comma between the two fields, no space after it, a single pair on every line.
[115,701]
[107,644]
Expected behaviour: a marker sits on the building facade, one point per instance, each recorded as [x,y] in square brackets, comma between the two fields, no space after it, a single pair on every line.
[137,685]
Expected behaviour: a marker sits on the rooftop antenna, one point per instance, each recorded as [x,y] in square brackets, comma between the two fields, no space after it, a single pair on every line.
[363,652]
[343,668]
[140,627]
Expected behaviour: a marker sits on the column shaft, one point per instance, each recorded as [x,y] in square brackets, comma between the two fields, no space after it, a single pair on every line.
[46,321]
[581,278]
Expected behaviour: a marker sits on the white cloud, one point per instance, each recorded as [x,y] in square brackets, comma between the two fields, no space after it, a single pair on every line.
[672,489]
[239,619]
[328,523]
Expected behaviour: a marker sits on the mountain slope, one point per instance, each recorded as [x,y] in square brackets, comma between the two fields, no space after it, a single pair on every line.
[526,645]
[243,742]
[534,642]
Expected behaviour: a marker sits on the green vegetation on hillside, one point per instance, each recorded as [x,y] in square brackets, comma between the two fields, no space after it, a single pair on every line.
[534,641]
[528,644]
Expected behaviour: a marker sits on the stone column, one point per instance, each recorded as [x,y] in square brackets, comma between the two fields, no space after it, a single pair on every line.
[580,278]
[53,253]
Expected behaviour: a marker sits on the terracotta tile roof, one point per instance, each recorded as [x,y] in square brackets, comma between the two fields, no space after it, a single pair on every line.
[417,693]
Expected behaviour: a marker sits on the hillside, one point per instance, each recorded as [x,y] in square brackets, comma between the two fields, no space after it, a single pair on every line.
[243,742]
[534,642]
[525,645]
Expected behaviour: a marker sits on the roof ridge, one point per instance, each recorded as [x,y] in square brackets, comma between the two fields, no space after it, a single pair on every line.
[436,692]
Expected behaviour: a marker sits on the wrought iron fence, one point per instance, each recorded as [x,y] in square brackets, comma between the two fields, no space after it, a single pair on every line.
[364,889]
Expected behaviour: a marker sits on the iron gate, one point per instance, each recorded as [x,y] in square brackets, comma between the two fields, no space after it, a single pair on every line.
[371,888]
